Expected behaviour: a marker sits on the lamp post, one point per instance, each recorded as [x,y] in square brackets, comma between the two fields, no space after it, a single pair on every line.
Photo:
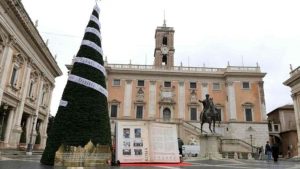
[30,145]
[251,143]
[5,107]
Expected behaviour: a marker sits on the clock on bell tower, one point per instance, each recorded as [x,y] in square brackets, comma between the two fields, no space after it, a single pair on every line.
[164,46]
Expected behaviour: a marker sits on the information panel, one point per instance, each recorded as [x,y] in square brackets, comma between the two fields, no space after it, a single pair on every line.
[145,142]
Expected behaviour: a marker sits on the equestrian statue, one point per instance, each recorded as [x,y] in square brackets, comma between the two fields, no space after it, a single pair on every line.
[209,113]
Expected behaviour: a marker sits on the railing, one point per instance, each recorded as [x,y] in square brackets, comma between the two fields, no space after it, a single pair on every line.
[194,127]
[238,141]
[184,69]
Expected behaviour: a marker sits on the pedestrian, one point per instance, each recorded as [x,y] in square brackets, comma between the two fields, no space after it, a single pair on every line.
[275,151]
[260,152]
[268,151]
[180,144]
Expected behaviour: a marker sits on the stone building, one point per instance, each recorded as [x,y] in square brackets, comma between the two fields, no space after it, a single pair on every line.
[282,129]
[27,73]
[168,93]
[294,83]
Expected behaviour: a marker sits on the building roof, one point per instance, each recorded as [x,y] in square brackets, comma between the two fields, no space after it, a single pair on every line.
[284,107]
[16,11]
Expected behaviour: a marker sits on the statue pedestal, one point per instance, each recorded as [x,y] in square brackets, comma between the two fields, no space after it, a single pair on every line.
[209,146]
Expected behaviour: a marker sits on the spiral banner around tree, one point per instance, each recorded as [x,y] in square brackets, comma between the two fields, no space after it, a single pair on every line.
[82,115]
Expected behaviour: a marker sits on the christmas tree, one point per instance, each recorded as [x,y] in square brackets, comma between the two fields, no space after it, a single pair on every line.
[82,115]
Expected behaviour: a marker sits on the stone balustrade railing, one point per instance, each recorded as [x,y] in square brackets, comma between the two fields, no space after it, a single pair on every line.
[295,71]
[184,69]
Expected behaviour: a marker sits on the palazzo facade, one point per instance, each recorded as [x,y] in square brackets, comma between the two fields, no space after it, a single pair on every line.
[27,77]
[167,93]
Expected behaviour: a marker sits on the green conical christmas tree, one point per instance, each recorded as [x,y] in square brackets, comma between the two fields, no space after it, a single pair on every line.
[82,115]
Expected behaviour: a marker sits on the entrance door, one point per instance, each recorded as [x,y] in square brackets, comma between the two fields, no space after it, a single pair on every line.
[166,114]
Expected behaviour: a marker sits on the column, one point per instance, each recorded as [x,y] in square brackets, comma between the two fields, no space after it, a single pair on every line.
[296,100]
[4,73]
[43,129]
[15,137]
[25,82]
[231,104]
[262,101]
[127,98]
[181,100]
[9,125]
[204,90]
[152,100]
[38,104]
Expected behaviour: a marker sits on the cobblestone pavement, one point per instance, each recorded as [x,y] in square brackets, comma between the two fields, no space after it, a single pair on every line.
[32,162]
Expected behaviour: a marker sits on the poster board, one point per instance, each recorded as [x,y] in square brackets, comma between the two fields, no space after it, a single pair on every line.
[146,142]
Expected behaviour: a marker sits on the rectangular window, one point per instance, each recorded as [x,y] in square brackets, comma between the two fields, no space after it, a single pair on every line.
[167,84]
[113,110]
[276,127]
[246,85]
[193,113]
[140,83]
[116,82]
[30,88]
[216,86]
[139,112]
[219,115]
[43,97]
[248,112]
[13,79]
[193,85]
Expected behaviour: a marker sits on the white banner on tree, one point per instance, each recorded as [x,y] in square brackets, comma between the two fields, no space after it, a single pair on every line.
[96,20]
[94,31]
[88,83]
[92,45]
[90,62]
[96,8]
[63,103]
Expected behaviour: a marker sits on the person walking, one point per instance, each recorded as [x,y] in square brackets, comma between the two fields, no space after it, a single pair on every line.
[275,151]
[268,151]
[180,144]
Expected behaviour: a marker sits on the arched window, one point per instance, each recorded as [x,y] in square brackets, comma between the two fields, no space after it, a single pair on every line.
[167,114]
[165,40]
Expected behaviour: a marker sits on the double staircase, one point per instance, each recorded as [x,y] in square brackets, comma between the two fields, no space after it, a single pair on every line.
[232,148]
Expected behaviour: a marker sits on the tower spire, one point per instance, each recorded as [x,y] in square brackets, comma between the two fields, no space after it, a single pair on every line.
[164,25]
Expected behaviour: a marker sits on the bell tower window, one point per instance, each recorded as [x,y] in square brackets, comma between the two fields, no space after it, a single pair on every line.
[164,59]
[165,41]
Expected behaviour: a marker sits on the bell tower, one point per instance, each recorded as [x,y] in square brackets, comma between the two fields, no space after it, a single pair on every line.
[164,46]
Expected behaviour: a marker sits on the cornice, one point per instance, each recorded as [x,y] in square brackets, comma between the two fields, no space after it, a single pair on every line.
[15,10]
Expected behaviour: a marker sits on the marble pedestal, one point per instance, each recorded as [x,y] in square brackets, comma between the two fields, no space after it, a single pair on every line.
[209,146]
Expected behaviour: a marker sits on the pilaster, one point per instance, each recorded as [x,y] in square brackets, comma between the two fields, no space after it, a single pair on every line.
[5,66]
[231,100]
[152,100]
[181,99]
[204,90]
[127,98]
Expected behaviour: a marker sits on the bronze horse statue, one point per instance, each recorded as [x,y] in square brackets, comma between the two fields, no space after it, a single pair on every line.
[209,114]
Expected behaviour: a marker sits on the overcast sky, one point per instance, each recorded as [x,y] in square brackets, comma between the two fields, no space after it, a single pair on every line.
[207,32]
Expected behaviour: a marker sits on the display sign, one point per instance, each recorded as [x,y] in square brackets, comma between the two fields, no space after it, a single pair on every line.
[146,142]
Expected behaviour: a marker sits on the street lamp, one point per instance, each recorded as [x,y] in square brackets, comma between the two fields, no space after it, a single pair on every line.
[30,145]
[5,107]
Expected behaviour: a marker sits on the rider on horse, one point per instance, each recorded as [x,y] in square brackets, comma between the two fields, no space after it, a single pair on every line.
[206,104]
[209,113]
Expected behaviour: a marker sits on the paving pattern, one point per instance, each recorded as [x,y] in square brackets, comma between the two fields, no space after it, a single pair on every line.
[32,162]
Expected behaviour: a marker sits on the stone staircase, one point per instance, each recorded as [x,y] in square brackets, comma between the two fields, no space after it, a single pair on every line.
[229,148]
